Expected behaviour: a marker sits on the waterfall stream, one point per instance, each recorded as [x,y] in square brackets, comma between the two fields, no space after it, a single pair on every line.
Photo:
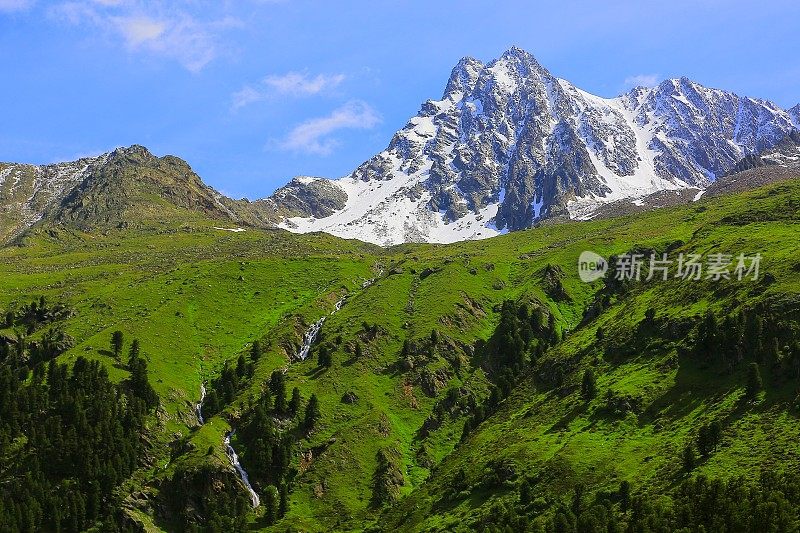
[234,459]
[311,335]
[308,340]
[229,451]
[199,407]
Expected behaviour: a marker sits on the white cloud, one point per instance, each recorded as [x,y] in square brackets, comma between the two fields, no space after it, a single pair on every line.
[296,82]
[291,83]
[138,29]
[314,136]
[10,6]
[246,96]
[642,80]
[150,26]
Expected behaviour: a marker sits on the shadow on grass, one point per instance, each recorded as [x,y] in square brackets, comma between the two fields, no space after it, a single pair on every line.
[695,383]
[316,372]
[350,361]
[564,422]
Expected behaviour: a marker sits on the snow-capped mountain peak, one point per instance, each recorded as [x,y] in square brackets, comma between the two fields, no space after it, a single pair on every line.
[509,144]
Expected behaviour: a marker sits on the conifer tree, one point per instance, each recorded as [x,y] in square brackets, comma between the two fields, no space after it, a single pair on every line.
[624,495]
[589,385]
[704,440]
[117,340]
[754,382]
[494,397]
[294,403]
[277,385]
[134,350]
[211,403]
[689,458]
[312,414]
[271,504]
[140,385]
[715,433]
[577,499]
[255,351]
[284,501]
[241,366]
[525,493]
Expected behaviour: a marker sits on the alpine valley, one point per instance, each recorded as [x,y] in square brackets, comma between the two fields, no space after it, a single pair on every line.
[175,360]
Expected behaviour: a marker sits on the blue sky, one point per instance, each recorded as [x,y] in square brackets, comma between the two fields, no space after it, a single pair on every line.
[253,92]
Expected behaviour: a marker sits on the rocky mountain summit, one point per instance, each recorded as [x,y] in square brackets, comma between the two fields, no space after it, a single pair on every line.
[125,187]
[509,144]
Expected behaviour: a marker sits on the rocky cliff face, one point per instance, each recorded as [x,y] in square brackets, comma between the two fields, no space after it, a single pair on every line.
[28,191]
[509,144]
[795,114]
[305,197]
[785,153]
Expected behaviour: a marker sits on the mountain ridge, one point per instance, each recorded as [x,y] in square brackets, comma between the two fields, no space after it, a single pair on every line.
[124,187]
[509,143]
[507,146]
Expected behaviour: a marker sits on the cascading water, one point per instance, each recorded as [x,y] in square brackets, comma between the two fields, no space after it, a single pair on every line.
[234,459]
[308,340]
[311,335]
[229,451]
[199,407]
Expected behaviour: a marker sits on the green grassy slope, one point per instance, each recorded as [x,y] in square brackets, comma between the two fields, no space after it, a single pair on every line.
[558,441]
[196,297]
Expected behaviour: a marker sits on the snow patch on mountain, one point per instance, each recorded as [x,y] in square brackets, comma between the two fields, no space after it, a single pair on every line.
[4,173]
[619,147]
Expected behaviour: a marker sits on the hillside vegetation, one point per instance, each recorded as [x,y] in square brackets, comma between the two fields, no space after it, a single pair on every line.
[582,401]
